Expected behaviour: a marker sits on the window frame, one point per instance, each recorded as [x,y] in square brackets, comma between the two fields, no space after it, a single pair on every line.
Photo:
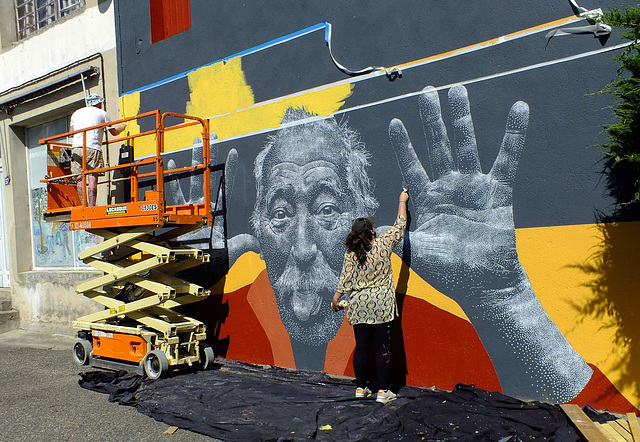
[29,13]
[76,238]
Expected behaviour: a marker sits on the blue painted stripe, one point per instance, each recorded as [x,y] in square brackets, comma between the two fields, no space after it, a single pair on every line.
[278,41]
[285,38]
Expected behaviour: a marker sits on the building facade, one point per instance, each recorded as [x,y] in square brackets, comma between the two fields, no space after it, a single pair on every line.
[513,274]
[52,53]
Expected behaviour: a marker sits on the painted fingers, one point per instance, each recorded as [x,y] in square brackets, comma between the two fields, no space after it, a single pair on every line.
[462,155]
[506,163]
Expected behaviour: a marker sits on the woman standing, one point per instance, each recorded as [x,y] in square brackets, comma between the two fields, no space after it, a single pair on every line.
[366,273]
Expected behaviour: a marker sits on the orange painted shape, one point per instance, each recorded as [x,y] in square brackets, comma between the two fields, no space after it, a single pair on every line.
[337,360]
[262,301]
[119,346]
[241,328]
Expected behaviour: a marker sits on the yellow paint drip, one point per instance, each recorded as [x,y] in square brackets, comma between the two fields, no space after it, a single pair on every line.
[221,92]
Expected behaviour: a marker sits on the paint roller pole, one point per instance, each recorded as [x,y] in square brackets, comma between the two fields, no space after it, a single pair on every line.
[109,172]
[84,90]
[5,165]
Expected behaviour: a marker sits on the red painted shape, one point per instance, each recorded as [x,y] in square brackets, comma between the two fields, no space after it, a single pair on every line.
[601,394]
[169,17]
[442,349]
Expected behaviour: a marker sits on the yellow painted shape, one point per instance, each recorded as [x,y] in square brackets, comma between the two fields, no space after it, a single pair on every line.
[219,88]
[130,106]
[215,89]
[220,92]
[243,273]
[322,102]
[549,256]
[563,262]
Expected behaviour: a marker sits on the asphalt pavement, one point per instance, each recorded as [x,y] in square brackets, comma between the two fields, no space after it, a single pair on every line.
[40,399]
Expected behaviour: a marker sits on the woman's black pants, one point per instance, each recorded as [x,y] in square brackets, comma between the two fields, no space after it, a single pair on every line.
[378,338]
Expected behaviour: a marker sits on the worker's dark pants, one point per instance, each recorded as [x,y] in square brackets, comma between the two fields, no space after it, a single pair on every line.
[378,338]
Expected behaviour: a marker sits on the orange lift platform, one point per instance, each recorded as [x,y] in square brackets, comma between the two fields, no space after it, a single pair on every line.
[139,256]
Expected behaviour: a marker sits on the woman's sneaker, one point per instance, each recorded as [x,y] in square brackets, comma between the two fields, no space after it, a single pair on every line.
[363,393]
[385,396]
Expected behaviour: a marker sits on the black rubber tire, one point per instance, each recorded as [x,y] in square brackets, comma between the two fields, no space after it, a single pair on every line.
[207,357]
[156,365]
[82,351]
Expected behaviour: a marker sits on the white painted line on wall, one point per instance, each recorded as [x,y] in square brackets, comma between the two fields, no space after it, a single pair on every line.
[416,93]
[409,65]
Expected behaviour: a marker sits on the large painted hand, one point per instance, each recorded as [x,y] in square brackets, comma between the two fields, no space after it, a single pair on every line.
[464,245]
[464,238]
[214,237]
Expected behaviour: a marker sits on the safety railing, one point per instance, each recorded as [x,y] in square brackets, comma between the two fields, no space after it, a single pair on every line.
[137,208]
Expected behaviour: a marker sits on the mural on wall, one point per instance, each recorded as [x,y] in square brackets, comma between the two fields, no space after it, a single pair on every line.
[306,154]
[311,182]
[464,245]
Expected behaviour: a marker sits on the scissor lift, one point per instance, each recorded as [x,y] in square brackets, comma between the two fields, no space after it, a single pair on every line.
[138,330]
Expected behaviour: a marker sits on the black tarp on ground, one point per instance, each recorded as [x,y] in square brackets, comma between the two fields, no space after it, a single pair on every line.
[242,402]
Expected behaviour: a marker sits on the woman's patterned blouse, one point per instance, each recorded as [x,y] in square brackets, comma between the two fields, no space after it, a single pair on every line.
[373,297]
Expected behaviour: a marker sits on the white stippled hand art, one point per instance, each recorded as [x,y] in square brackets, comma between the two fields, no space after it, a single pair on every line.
[464,245]
[205,238]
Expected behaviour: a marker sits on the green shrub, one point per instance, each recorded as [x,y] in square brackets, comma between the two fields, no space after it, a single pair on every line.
[624,135]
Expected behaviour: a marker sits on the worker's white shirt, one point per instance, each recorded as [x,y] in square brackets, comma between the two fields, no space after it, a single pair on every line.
[87,117]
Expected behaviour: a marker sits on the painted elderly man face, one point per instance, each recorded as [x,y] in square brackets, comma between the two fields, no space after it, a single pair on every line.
[302,217]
